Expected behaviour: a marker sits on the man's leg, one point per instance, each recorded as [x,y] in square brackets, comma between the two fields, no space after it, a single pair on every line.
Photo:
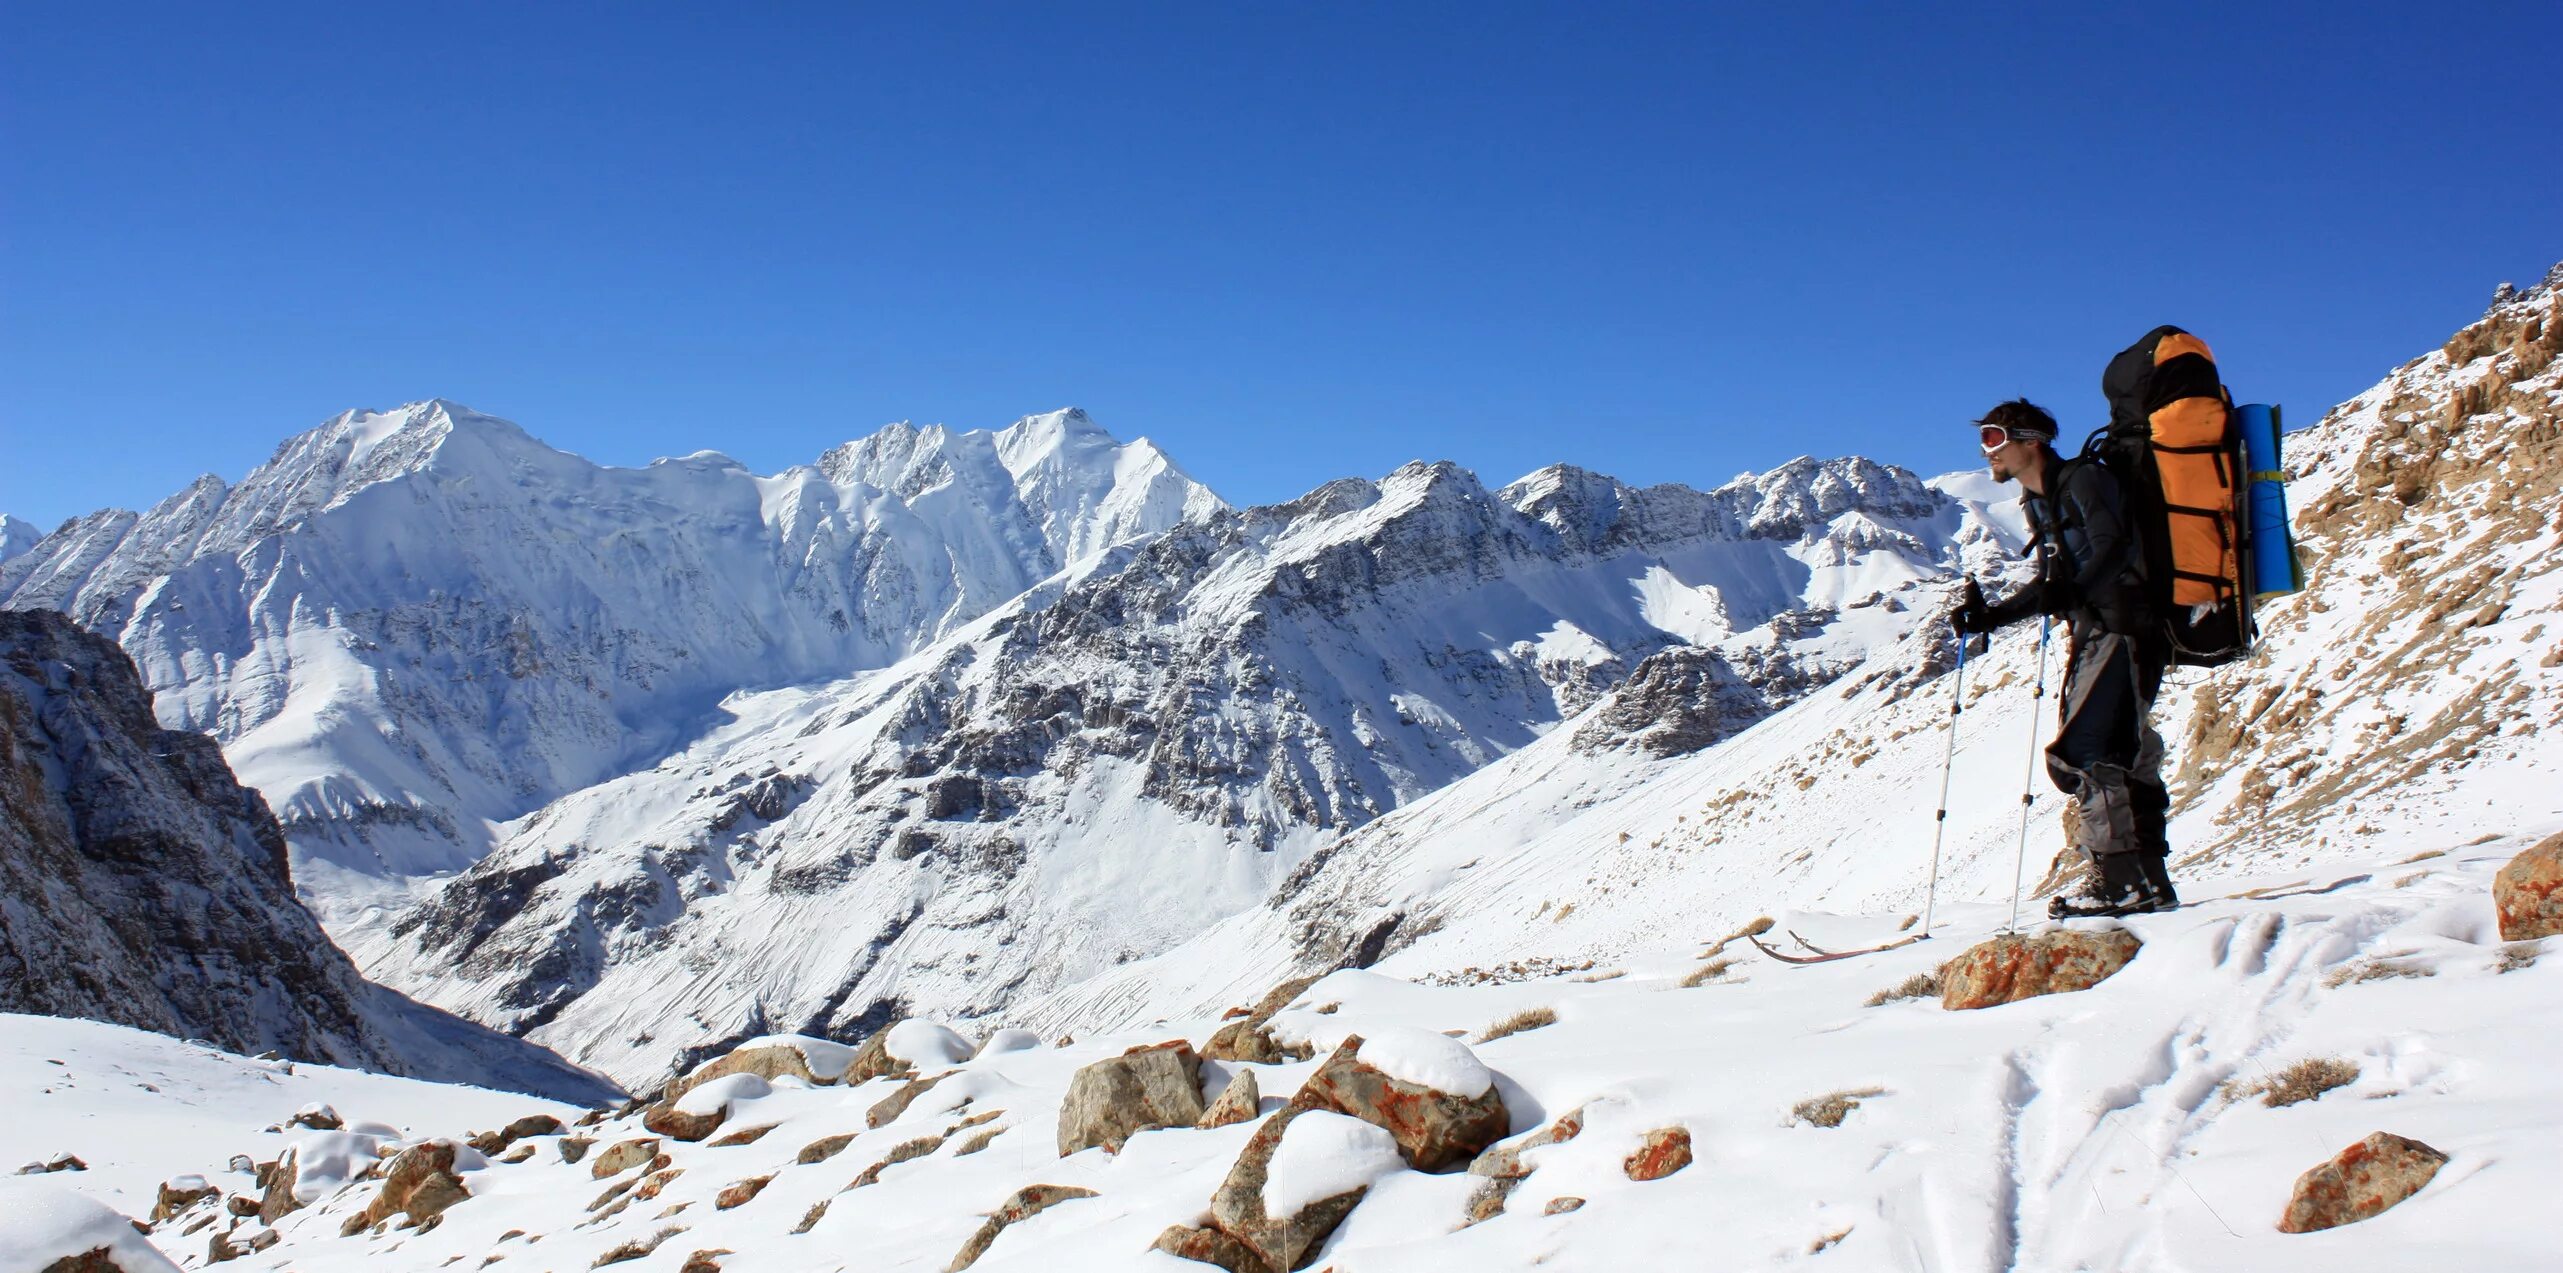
[2095,761]
[2145,779]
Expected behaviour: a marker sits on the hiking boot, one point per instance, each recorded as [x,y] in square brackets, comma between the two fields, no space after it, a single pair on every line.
[2159,893]
[2101,903]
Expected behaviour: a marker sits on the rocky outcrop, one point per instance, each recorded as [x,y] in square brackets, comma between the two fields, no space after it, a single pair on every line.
[420,1184]
[2360,1182]
[1147,1087]
[2528,892]
[149,888]
[1284,1222]
[1025,1203]
[1501,1168]
[889,1108]
[1209,1246]
[1245,1036]
[1435,1130]
[622,1156]
[767,1061]
[1239,1102]
[2015,966]
[497,1142]
[177,1195]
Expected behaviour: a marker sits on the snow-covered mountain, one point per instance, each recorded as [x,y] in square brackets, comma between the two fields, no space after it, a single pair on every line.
[140,883]
[1144,746]
[2408,693]
[17,535]
[408,626]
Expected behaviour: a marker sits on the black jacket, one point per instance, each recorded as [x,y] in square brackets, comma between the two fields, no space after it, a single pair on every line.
[2090,567]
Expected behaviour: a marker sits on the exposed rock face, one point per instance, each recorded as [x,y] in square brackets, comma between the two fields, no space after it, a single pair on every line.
[1210,1246]
[739,1194]
[1683,699]
[1664,1151]
[890,1107]
[178,1195]
[1238,1102]
[149,888]
[2360,1182]
[770,1061]
[2528,892]
[622,1156]
[1246,1038]
[1146,1087]
[530,1125]
[2014,966]
[1289,1240]
[1027,1202]
[1435,1130]
[420,1184]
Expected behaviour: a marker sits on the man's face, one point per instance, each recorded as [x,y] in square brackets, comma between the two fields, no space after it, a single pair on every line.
[2011,459]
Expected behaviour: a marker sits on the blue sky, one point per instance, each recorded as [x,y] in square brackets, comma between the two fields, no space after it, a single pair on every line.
[1289,242]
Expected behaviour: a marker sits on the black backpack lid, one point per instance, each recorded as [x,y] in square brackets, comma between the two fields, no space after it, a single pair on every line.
[2125,381]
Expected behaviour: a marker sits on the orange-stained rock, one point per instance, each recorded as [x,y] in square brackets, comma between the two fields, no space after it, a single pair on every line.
[1287,1242]
[2528,892]
[420,1184]
[676,1124]
[1209,1246]
[1435,1131]
[2016,966]
[2364,1179]
[1238,1102]
[1504,1162]
[1664,1151]
[739,1193]
[623,1155]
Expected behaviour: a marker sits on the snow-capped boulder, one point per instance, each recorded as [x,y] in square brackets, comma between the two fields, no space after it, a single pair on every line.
[58,1231]
[2018,966]
[498,1141]
[700,1112]
[1301,1174]
[2360,1182]
[1427,1090]
[179,1193]
[1247,1037]
[422,1181]
[623,1155]
[1155,1085]
[1022,1205]
[814,1061]
[2529,892]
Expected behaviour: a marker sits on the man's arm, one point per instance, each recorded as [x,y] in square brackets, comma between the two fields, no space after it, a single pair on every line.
[2106,534]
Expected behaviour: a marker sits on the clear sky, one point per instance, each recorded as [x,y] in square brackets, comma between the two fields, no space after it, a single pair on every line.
[1288,241]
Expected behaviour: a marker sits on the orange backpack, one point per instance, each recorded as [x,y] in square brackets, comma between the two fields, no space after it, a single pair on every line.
[2173,445]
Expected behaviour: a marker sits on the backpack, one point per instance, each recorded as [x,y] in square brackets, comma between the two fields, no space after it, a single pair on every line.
[2174,444]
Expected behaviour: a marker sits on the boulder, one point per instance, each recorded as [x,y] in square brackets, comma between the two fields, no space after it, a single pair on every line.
[178,1194]
[1300,1175]
[896,1050]
[2361,1181]
[420,1183]
[2018,966]
[1158,1085]
[1664,1151]
[574,1148]
[743,1136]
[318,1117]
[825,1148]
[889,1108]
[1561,1205]
[904,1151]
[276,1180]
[1022,1205]
[530,1125]
[700,1112]
[1238,1102]
[1209,1246]
[1427,1090]
[623,1155]
[2528,892]
[814,1061]
[1245,1038]
[738,1194]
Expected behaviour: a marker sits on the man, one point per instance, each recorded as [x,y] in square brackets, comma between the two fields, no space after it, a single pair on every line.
[2106,758]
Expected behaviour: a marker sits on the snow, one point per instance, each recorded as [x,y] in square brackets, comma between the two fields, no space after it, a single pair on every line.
[716,1096]
[325,1161]
[1426,1058]
[41,1223]
[1009,1040]
[924,1043]
[1323,1154]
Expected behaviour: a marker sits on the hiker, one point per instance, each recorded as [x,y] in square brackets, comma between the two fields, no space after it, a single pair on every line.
[2106,758]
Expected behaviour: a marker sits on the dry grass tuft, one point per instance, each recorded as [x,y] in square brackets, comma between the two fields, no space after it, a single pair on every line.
[1707,973]
[1921,985]
[1526,1019]
[1818,1246]
[2374,970]
[2433,853]
[1562,913]
[2303,1081]
[2516,955]
[1607,974]
[1829,1110]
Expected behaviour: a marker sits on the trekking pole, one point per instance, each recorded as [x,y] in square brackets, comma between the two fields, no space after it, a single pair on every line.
[1948,762]
[2029,774]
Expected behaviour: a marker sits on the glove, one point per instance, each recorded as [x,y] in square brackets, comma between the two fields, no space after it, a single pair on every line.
[1971,616]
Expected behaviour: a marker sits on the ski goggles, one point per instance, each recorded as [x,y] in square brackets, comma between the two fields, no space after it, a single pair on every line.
[1994,437]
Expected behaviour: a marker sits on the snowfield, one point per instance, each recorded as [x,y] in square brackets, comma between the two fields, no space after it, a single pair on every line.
[2107,1129]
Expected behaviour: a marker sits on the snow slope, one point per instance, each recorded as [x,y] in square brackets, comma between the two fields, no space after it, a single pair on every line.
[409,625]
[1143,746]
[17,535]
[2109,1129]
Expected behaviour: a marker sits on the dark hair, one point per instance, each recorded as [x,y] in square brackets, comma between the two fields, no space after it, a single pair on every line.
[2020,415]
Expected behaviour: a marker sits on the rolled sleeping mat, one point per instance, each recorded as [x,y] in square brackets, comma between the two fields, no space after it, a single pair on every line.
[2272,548]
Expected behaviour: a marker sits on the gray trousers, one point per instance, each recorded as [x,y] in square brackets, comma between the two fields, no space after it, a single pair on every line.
[2107,757]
